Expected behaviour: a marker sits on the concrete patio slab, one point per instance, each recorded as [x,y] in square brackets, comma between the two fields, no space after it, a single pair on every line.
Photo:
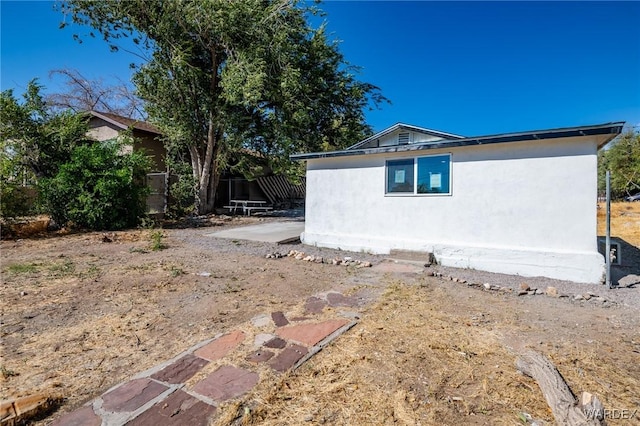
[271,232]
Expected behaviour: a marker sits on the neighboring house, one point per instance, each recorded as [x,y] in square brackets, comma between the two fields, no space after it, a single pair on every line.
[105,126]
[274,189]
[518,203]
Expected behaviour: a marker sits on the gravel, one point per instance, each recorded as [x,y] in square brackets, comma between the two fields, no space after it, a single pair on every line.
[625,293]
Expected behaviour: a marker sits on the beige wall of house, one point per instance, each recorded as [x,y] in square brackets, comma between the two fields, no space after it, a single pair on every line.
[102,130]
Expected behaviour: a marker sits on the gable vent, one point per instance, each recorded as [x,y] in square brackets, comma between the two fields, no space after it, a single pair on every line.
[403,138]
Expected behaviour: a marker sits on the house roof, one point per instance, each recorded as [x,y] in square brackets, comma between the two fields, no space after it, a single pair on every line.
[606,133]
[402,126]
[125,123]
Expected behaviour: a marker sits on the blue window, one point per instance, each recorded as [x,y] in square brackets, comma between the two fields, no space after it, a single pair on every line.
[421,175]
[400,176]
[434,175]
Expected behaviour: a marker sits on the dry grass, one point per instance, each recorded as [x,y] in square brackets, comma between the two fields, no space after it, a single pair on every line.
[407,362]
[434,354]
[30,227]
[625,221]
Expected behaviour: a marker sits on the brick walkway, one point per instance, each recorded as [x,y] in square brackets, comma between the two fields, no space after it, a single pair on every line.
[188,388]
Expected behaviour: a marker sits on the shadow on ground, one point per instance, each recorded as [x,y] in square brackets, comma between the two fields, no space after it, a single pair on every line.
[627,272]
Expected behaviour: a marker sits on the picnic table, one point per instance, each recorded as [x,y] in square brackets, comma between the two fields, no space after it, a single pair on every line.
[248,206]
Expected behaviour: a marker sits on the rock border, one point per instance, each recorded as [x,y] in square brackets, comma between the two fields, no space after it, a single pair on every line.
[526,290]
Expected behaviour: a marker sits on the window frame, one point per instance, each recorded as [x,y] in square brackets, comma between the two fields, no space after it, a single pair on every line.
[415,192]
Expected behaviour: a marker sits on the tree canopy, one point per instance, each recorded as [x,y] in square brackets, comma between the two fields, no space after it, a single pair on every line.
[35,139]
[77,180]
[82,94]
[227,77]
[622,158]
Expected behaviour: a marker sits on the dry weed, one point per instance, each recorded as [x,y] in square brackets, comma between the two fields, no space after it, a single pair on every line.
[407,362]
[625,221]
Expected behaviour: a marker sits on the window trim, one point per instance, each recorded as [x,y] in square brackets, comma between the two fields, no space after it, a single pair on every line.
[415,192]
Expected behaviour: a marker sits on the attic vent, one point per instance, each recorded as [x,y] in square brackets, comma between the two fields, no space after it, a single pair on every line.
[403,138]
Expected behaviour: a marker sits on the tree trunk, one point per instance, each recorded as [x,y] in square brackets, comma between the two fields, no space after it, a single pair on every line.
[210,175]
[561,400]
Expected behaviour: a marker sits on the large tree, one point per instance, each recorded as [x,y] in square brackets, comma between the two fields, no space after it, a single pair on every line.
[79,181]
[35,138]
[83,94]
[622,158]
[231,76]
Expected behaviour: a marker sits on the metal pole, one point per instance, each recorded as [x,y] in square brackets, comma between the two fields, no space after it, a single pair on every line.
[607,248]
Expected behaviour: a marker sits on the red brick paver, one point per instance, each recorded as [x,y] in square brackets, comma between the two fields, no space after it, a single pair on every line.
[287,358]
[181,370]
[132,395]
[81,417]
[226,382]
[178,409]
[314,305]
[261,355]
[176,405]
[310,334]
[337,299]
[279,319]
[221,346]
[276,343]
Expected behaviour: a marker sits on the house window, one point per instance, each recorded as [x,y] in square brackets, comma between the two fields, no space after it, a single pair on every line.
[421,175]
[400,176]
[433,174]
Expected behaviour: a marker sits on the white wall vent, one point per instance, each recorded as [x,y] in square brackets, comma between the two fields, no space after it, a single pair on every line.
[404,138]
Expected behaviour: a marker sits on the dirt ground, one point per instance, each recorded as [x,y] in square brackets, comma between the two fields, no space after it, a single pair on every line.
[82,312]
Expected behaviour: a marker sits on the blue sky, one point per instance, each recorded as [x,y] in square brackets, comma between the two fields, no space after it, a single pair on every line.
[471,68]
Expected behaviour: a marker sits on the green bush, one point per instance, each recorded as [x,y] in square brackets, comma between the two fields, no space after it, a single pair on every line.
[100,188]
[181,190]
[16,200]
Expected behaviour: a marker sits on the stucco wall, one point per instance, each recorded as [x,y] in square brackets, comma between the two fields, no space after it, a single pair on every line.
[525,208]
[101,130]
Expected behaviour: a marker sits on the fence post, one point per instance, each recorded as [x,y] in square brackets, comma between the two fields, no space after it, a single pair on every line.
[607,248]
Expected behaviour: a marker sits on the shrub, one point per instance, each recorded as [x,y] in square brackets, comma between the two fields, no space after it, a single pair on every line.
[181,190]
[16,200]
[100,188]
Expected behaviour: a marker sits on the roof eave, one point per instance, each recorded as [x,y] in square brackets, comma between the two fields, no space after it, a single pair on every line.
[108,120]
[609,130]
[406,126]
[122,125]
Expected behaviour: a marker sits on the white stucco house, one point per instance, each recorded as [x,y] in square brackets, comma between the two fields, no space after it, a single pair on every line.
[519,203]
